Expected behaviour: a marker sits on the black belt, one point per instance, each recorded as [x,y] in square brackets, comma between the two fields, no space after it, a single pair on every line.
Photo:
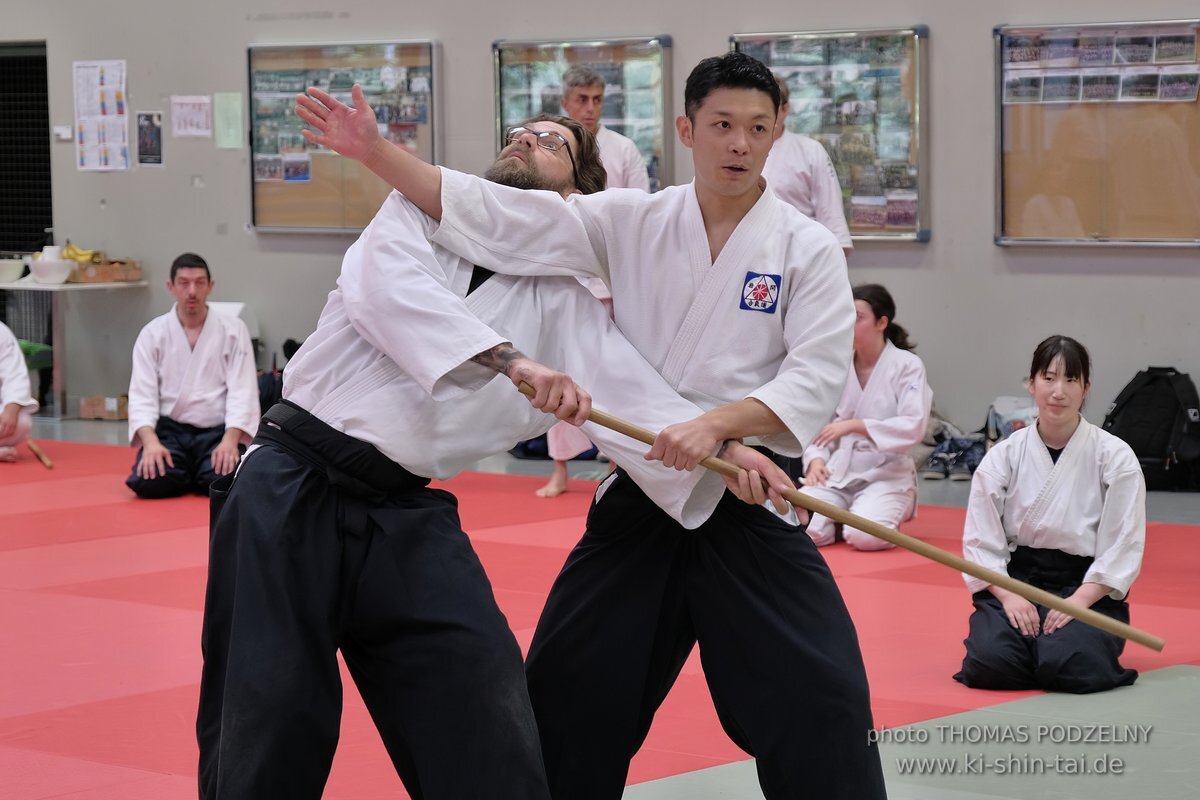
[350,464]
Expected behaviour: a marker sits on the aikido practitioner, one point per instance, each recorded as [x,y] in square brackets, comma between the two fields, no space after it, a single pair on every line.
[1061,505]
[329,537]
[17,406]
[743,305]
[860,461]
[193,395]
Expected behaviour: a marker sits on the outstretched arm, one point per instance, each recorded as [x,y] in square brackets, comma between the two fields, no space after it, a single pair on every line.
[354,133]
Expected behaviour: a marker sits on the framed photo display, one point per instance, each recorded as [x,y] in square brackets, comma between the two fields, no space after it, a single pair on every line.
[636,71]
[1098,134]
[300,187]
[862,95]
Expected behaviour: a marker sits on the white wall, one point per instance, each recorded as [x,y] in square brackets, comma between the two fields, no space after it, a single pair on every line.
[976,310]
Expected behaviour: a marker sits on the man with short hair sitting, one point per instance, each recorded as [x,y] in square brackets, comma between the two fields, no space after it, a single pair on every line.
[193,396]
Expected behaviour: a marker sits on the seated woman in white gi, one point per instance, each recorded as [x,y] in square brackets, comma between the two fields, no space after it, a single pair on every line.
[860,461]
[16,404]
[1060,505]
[193,395]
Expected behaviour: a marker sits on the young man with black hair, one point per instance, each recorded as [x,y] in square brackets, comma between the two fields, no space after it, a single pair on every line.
[743,305]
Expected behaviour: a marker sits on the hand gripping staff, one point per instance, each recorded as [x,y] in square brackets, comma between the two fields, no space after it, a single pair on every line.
[957,563]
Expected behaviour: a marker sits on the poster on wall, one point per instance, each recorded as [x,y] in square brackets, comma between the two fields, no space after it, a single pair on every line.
[101,121]
[149,139]
[191,116]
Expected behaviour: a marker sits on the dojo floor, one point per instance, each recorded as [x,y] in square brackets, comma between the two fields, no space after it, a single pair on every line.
[100,598]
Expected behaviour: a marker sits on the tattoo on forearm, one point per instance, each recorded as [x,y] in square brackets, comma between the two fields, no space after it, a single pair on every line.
[500,358]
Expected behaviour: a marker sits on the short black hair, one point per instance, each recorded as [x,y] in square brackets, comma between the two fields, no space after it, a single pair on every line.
[189,261]
[1076,361]
[734,70]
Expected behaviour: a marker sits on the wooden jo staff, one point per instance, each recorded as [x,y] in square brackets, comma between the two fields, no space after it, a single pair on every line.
[41,454]
[959,564]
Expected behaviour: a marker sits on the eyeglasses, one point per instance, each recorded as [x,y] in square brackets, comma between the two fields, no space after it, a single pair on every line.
[551,140]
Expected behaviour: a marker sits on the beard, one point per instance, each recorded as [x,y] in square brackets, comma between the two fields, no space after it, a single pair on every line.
[520,175]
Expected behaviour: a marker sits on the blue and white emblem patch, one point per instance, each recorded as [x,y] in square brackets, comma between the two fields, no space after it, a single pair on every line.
[761,292]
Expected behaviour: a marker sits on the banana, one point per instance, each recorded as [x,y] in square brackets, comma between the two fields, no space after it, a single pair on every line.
[73,253]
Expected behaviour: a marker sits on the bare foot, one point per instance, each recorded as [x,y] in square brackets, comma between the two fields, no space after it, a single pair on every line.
[554,488]
[557,483]
[8,454]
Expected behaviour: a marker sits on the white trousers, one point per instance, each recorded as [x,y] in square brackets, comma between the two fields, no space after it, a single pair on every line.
[24,426]
[885,502]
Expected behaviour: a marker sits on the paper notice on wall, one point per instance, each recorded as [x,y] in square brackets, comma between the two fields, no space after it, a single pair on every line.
[101,120]
[191,115]
[227,115]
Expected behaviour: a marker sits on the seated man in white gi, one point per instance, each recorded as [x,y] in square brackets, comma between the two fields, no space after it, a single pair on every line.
[329,539]
[16,404]
[744,306]
[193,395]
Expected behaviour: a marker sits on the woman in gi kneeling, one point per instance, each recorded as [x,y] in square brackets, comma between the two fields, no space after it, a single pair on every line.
[1060,505]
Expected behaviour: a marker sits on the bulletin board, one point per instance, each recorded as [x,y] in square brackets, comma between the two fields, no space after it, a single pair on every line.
[862,95]
[1098,134]
[301,187]
[636,100]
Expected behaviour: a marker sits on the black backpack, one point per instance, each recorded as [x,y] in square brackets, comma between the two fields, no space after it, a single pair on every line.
[1158,415]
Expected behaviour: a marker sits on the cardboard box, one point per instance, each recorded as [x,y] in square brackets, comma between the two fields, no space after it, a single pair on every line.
[100,407]
[107,272]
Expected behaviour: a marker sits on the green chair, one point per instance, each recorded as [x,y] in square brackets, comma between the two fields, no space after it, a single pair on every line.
[37,355]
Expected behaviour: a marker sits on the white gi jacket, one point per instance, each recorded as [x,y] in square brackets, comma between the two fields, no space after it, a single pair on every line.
[895,406]
[213,384]
[771,319]
[800,172]
[622,161]
[14,376]
[389,363]
[1091,503]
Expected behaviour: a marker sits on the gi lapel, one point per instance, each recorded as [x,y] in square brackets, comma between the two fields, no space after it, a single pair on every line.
[208,341]
[712,279]
[1049,500]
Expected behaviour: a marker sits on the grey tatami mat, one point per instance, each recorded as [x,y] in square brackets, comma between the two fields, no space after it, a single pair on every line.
[1164,766]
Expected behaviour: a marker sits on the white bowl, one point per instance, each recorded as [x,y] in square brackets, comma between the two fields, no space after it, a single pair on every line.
[10,269]
[45,271]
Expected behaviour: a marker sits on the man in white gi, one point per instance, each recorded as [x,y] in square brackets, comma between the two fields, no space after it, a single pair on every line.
[583,99]
[193,395]
[743,305]
[16,405]
[801,173]
[328,538]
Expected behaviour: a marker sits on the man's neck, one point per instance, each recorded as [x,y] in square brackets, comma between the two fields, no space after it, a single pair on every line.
[725,211]
[191,322]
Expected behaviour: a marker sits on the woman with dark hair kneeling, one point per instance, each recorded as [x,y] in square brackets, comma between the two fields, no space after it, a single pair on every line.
[860,461]
[1060,505]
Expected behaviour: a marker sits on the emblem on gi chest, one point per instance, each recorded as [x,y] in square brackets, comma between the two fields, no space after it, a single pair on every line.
[761,292]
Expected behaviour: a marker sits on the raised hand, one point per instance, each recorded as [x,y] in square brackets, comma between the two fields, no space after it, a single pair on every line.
[351,132]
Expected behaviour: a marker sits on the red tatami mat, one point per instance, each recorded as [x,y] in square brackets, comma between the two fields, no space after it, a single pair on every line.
[100,600]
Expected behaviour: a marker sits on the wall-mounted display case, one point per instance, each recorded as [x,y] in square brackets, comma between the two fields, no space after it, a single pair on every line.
[528,80]
[1098,134]
[301,187]
[862,95]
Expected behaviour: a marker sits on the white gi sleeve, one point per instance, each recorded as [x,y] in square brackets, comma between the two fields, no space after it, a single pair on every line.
[241,382]
[600,359]
[14,375]
[522,232]
[396,296]
[827,196]
[906,429]
[144,401]
[819,332]
[1121,534]
[634,174]
[984,541]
